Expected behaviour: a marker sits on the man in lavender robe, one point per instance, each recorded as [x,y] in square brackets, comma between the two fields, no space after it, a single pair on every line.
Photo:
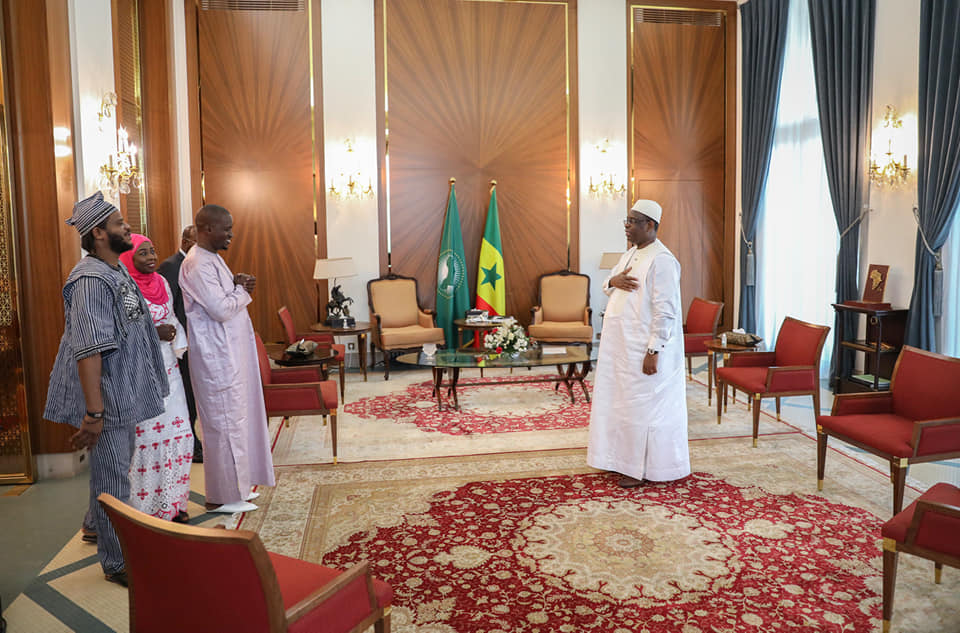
[224,368]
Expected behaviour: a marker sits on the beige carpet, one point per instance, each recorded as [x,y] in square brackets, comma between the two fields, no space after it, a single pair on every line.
[391,471]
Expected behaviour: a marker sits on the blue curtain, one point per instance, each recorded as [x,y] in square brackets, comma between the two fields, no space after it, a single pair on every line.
[764,27]
[938,164]
[842,33]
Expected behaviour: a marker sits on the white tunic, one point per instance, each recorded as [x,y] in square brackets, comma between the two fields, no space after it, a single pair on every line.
[638,424]
[226,379]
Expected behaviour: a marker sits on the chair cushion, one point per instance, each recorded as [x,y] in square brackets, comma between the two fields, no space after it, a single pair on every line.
[886,432]
[278,401]
[694,344]
[410,336]
[342,612]
[564,297]
[937,532]
[799,344]
[749,379]
[395,300]
[925,386]
[554,331]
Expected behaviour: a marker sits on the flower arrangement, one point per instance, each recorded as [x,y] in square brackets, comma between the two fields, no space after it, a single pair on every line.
[509,338]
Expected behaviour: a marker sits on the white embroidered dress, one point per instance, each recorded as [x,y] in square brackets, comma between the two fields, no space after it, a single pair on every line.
[160,469]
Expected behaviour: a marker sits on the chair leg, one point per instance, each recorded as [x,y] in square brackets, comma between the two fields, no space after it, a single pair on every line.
[383,624]
[333,433]
[756,418]
[343,379]
[689,368]
[899,476]
[386,365]
[725,396]
[821,457]
[889,584]
[285,421]
[937,572]
[816,400]
[721,388]
[778,407]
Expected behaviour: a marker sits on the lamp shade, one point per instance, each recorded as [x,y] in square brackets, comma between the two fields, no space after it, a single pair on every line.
[334,268]
[609,260]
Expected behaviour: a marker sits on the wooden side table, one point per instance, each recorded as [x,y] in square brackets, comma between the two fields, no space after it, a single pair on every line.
[360,330]
[714,347]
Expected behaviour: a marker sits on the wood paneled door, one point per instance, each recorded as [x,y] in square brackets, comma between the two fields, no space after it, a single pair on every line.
[683,137]
[478,91]
[257,137]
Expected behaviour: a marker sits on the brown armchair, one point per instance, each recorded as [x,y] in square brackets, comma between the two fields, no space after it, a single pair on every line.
[563,311]
[398,322]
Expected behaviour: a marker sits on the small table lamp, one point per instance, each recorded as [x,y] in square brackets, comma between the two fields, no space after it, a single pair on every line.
[338,314]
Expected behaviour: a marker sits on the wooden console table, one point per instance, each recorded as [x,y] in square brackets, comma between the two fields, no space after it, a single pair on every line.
[884,338]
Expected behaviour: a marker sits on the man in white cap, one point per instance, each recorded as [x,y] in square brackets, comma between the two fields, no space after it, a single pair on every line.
[638,425]
[109,372]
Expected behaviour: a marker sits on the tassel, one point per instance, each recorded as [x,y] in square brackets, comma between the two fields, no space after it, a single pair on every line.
[938,289]
[751,268]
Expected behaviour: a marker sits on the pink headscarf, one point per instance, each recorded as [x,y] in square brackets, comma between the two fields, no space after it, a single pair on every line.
[151,284]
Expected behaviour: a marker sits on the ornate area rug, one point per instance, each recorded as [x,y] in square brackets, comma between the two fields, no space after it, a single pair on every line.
[485,407]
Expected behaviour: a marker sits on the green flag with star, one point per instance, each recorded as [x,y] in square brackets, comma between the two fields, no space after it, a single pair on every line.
[453,289]
[491,283]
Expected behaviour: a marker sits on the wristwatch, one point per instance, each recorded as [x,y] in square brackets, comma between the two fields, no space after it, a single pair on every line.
[95,416]
[652,352]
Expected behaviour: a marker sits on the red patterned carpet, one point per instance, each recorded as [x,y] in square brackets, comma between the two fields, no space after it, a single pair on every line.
[485,408]
[576,553]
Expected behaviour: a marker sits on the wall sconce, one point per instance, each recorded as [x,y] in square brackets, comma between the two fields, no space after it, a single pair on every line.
[346,185]
[107,107]
[121,172]
[889,171]
[603,183]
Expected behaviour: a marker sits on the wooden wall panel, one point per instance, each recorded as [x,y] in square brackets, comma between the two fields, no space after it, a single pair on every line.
[257,153]
[36,208]
[679,102]
[461,105]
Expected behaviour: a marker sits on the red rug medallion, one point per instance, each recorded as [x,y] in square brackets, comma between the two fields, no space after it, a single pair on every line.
[577,553]
[485,407]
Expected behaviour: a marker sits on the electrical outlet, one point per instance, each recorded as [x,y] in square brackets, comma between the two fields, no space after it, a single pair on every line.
[351,347]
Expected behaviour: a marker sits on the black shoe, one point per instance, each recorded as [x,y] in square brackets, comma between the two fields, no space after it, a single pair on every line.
[119,577]
[197,453]
[88,536]
[181,517]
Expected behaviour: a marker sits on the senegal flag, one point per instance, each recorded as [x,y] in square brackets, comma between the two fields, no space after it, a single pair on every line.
[491,284]
[453,290]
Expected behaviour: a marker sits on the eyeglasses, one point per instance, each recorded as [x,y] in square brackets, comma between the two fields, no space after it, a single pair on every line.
[632,221]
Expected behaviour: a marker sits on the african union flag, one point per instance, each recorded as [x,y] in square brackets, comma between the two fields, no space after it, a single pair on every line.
[491,284]
[453,289]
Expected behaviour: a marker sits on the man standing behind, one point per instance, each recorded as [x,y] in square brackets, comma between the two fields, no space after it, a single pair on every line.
[170,269]
[224,368]
[109,372]
[638,425]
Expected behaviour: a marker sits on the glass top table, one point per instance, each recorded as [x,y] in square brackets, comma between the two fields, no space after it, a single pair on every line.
[573,363]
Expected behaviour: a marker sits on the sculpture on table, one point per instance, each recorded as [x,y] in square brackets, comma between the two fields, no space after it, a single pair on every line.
[338,312]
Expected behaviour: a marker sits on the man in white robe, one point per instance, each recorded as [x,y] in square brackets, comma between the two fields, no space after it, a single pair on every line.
[638,425]
[224,369]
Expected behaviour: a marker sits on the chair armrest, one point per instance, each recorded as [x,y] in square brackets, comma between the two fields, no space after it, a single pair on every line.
[862,403]
[425,318]
[295,375]
[331,589]
[587,315]
[785,378]
[536,315]
[923,507]
[751,359]
[936,436]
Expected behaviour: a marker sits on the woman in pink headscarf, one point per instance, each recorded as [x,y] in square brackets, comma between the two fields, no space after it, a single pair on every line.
[160,469]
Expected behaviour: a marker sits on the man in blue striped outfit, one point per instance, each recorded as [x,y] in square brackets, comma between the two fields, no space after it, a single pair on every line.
[109,371]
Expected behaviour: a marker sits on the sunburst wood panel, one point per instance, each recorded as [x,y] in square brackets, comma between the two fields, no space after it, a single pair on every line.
[677,156]
[258,155]
[478,91]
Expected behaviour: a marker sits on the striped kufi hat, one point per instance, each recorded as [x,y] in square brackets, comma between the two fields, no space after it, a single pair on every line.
[90,212]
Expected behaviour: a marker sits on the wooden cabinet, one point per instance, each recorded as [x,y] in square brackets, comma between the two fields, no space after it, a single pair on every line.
[884,338]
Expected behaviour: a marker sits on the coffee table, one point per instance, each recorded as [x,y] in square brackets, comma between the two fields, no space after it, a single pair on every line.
[573,364]
[360,330]
[320,356]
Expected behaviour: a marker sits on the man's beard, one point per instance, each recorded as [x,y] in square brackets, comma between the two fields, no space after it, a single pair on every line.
[117,243]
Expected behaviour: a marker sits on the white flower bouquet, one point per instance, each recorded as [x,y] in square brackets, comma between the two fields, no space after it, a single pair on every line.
[509,338]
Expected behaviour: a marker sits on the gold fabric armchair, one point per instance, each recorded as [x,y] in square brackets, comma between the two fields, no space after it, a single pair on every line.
[398,322]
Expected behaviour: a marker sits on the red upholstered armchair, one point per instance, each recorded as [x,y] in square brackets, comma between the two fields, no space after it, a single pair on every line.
[928,528]
[917,420]
[297,391]
[791,369]
[701,326]
[246,588]
[322,338]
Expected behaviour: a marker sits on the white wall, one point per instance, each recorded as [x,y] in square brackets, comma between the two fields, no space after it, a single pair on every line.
[890,230]
[602,76]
